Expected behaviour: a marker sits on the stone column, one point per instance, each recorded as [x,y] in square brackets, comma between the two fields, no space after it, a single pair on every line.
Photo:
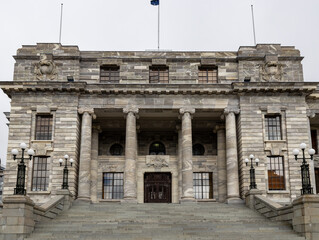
[180,159]
[187,152]
[221,163]
[85,154]
[94,162]
[231,156]
[130,187]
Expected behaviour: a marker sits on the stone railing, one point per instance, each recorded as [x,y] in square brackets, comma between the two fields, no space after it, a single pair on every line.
[20,214]
[302,214]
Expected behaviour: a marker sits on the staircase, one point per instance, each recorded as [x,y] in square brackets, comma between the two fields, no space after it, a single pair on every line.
[161,221]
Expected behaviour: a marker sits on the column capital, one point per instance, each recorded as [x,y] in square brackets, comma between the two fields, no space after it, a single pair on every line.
[187,110]
[310,113]
[234,110]
[132,109]
[89,110]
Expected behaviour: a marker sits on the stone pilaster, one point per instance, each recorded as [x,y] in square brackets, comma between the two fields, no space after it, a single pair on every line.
[180,159]
[187,152]
[85,154]
[130,187]
[221,163]
[94,163]
[231,156]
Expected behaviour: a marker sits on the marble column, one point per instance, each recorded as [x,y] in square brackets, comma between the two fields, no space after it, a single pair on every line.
[187,152]
[180,159]
[94,162]
[221,163]
[85,154]
[231,156]
[130,186]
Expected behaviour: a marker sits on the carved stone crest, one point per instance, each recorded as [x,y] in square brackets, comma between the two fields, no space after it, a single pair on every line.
[157,161]
[45,68]
[271,71]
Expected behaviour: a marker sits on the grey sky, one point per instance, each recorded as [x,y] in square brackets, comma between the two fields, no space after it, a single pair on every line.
[132,25]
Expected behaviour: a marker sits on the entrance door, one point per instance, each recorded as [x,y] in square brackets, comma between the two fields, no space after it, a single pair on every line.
[157,187]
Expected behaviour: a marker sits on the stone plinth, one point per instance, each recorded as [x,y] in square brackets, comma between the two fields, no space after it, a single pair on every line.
[18,220]
[306,216]
[68,198]
[250,197]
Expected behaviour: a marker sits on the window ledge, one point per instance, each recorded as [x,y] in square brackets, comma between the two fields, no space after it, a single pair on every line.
[39,193]
[206,200]
[278,191]
[110,200]
[275,141]
[42,141]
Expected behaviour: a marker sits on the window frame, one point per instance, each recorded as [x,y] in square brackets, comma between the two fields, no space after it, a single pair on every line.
[159,71]
[115,145]
[201,179]
[207,74]
[109,74]
[41,188]
[275,129]
[104,193]
[48,133]
[200,146]
[155,151]
[270,182]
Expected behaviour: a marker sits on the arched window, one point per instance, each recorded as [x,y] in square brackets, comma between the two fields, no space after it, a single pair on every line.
[116,150]
[157,148]
[198,149]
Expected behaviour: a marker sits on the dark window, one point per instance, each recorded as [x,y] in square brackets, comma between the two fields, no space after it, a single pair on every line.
[276,173]
[273,127]
[110,74]
[314,140]
[157,148]
[158,74]
[198,149]
[113,186]
[1,187]
[203,185]
[43,128]
[116,150]
[40,174]
[207,74]
[317,179]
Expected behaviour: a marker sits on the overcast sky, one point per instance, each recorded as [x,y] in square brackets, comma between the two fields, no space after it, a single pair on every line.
[215,25]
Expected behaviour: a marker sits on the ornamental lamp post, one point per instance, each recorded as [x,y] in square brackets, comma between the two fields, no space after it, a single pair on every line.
[19,190]
[65,171]
[253,184]
[305,176]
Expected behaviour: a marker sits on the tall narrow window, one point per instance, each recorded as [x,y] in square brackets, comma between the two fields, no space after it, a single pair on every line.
[276,173]
[43,128]
[273,127]
[113,186]
[314,140]
[203,185]
[40,174]
[110,74]
[207,74]
[158,74]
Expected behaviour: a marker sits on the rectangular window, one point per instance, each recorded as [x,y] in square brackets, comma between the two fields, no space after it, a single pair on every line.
[207,74]
[159,74]
[40,174]
[43,128]
[110,74]
[276,173]
[273,127]
[113,185]
[203,185]
[314,140]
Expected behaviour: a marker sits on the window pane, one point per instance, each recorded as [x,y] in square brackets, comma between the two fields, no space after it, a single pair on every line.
[113,185]
[40,173]
[43,128]
[203,185]
[273,127]
[109,74]
[276,177]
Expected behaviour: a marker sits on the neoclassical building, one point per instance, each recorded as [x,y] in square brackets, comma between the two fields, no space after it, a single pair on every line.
[161,126]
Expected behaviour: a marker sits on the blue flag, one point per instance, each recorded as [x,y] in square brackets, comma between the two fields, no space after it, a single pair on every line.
[155,2]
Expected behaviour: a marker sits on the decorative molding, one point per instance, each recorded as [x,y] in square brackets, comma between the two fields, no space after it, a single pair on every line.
[271,71]
[275,147]
[187,110]
[42,147]
[157,161]
[89,110]
[310,113]
[234,110]
[132,109]
[45,68]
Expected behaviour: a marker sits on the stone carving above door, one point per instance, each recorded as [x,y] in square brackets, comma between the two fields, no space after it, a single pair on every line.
[45,68]
[157,161]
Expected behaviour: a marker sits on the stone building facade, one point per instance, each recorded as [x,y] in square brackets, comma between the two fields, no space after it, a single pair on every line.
[153,126]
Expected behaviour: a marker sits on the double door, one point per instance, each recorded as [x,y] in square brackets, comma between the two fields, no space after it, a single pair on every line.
[157,187]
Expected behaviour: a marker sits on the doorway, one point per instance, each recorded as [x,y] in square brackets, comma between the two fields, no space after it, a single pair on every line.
[157,188]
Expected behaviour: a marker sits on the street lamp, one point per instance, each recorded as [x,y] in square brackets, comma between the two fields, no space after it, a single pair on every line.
[253,184]
[65,171]
[305,176]
[19,190]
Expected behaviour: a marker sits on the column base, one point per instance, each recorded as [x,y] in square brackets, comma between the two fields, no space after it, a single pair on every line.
[129,201]
[187,200]
[84,199]
[235,200]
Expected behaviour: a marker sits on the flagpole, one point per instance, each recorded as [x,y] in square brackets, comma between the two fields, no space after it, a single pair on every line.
[61,23]
[252,15]
[158,34]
